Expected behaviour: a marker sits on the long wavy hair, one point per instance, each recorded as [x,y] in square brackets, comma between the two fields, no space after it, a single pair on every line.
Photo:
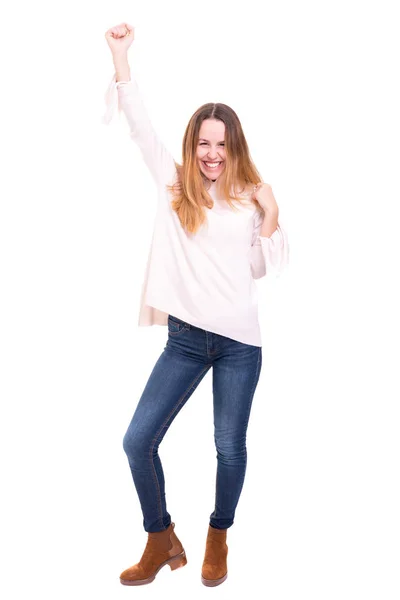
[190,195]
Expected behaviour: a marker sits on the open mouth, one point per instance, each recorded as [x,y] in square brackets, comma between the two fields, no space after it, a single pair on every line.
[212,165]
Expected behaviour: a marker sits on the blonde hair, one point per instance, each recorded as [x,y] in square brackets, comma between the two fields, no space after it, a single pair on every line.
[190,196]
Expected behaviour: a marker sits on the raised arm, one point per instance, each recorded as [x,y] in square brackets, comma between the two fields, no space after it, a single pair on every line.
[123,94]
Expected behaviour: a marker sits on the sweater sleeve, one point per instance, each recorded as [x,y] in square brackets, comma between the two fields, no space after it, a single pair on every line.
[268,255]
[124,96]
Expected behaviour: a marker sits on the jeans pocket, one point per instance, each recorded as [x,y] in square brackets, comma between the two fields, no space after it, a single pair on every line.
[176,326]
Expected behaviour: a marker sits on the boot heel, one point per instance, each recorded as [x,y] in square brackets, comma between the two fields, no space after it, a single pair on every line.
[178,561]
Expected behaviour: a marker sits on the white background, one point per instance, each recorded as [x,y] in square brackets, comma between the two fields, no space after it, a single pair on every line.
[315,85]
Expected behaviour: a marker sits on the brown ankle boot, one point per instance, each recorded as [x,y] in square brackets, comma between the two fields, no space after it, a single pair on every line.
[162,548]
[215,570]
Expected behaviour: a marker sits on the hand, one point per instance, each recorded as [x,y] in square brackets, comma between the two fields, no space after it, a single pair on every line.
[120,37]
[263,194]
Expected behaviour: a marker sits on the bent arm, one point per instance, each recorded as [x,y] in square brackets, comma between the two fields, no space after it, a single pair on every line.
[268,255]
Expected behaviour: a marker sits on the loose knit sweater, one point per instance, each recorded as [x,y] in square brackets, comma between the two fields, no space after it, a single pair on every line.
[206,279]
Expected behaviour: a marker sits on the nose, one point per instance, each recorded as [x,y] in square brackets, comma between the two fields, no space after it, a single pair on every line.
[212,154]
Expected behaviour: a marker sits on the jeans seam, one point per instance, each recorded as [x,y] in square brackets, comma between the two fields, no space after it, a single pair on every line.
[256,378]
[258,369]
[176,406]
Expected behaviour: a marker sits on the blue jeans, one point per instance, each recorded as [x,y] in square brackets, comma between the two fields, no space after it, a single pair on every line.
[189,353]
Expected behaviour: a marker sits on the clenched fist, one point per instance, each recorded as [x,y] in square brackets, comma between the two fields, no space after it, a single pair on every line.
[120,37]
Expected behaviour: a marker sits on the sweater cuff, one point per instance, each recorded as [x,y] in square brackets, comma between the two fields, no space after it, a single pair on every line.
[276,251]
[111,100]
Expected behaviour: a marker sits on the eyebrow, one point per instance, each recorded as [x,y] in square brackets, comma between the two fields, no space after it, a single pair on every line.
[204,140]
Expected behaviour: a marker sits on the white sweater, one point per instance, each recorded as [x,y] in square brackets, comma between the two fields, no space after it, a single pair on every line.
[205,279]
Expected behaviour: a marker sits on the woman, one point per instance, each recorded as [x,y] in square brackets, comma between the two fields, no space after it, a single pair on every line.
[216,230]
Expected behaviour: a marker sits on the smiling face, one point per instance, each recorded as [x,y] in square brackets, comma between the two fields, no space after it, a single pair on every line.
[211,148]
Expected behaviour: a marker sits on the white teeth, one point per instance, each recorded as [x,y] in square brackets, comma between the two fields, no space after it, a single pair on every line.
[212,165]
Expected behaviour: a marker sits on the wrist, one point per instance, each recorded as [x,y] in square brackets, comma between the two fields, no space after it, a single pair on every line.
[270,212]
[269,224]
[119,52]
[120,58]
